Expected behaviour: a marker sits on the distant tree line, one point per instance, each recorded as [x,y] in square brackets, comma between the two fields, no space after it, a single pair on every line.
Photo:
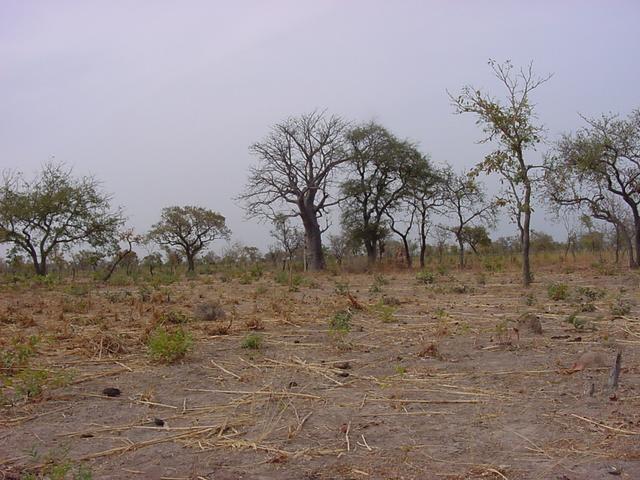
[387,191]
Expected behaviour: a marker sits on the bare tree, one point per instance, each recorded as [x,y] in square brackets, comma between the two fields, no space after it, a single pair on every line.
[339,246]
[465,200]
[295,174]
[512,125]
[289,238]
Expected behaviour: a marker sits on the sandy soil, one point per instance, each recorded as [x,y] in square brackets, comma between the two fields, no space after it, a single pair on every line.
[439,385]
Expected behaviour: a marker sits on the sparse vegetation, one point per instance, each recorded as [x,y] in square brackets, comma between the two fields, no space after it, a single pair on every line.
[252,341]
[167,347]
[558,291]
[425,277]
[209,311]
[341,321]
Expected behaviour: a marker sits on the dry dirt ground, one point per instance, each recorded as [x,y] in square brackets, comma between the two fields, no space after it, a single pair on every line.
[438,385]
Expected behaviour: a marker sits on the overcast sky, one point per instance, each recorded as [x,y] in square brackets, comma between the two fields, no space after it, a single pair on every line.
[161,99]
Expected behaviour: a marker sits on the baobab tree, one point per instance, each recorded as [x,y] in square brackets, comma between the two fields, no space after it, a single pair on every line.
[297,164]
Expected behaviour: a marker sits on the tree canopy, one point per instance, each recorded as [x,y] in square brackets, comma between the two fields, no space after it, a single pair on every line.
[190,229]
[54,212]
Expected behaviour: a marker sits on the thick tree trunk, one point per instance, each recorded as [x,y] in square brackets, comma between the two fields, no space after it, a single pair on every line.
[191,262]
[423,244]
[423,251]
[634,253]
[407,252]
[372,251]
[313,237]
[618,243]
[460,251]
[314,242]
[39,265]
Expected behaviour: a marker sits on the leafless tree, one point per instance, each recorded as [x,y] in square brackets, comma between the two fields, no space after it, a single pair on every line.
[290,239]
[296,169]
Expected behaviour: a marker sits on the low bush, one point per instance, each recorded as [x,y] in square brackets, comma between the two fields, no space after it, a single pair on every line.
[167,347]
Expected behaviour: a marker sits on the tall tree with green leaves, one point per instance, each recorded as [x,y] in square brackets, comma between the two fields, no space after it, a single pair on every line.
[512,125]
[425,198]
[189,229]
[54,212]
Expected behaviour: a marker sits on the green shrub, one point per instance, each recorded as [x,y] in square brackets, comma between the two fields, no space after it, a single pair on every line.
[558,291]
[246,279]
[282,278]
[529,299]
[620,307]
[163,278]
[384,312]
[341,321]
[168,347]
[252,341]
[425,277]
[577,322]
[78,289]
[589,293]
[492,264]
[378,283]
[17,355]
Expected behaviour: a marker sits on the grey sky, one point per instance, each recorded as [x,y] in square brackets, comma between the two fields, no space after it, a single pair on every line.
[160,100]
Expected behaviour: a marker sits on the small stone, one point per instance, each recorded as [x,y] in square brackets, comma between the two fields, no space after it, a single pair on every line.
[590,360]
[343,365]
[613,470]
[158,422]
[111,392]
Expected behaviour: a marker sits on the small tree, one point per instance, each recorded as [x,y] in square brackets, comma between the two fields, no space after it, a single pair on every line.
[189,229]
[339,246]
[289,238]
[54,212]
[512,125]
[123,253]
[152,261]
[464,199]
